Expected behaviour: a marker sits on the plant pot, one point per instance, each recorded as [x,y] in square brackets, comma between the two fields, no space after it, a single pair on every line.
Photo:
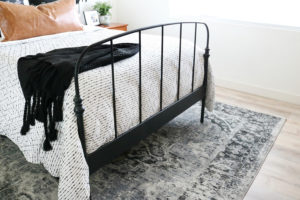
[105,20]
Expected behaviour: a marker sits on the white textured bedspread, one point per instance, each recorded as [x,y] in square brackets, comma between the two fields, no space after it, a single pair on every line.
[66,160]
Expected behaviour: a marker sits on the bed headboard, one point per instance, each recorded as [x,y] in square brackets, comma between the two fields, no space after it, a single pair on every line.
[38,2]
[14,1]
[31,2]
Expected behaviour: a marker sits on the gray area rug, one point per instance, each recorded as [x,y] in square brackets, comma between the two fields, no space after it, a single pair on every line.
[184,160]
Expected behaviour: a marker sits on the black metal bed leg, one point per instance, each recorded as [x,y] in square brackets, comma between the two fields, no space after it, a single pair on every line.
[206,56]
[202,111]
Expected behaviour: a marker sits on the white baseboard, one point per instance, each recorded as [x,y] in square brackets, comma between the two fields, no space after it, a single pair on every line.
[269,93]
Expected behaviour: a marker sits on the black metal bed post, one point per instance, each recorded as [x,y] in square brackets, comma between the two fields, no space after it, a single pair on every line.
[206,57]
[78,109]
[79,114]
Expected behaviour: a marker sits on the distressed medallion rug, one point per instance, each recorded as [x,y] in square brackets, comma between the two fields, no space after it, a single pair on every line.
[184,160]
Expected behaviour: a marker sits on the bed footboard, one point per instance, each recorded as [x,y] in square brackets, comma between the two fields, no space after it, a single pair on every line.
[131,137]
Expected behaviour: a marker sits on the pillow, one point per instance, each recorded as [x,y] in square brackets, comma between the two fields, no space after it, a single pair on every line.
[25,2]
[20,22]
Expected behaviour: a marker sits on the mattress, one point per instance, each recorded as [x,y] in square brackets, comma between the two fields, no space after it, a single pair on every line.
[66,160]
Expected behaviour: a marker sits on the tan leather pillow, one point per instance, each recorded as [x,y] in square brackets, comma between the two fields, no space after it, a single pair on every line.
[20,22]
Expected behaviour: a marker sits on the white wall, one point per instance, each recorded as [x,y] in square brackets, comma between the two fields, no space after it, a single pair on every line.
[259,59]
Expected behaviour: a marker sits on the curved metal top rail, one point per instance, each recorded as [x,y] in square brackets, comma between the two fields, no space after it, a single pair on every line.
[77,67]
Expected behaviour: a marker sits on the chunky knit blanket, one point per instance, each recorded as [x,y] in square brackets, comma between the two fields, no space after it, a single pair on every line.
[66,160]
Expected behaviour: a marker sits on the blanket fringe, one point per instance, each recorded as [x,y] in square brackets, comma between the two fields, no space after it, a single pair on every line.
[25,128]
[48,112]
[53,131]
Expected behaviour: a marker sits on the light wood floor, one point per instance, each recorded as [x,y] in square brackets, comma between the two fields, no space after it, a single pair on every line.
[279,177]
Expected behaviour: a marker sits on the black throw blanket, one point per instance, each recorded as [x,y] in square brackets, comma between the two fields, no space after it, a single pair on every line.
[45,77]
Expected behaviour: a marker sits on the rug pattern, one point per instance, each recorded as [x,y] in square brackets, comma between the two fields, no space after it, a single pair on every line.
[184,160]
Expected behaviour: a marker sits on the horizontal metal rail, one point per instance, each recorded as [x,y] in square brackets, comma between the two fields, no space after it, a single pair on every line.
[125,141]
[78,102]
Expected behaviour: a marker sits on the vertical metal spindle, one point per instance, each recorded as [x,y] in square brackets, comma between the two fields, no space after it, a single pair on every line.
[140,77]
[162,67]
[194,58]
[179,63]
[113,87]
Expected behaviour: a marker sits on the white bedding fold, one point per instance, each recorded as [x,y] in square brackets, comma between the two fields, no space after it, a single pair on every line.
[66,160]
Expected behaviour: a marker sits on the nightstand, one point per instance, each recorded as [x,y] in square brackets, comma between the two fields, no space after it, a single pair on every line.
[115,26]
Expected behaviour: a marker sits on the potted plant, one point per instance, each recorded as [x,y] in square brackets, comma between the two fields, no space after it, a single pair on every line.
[103,9]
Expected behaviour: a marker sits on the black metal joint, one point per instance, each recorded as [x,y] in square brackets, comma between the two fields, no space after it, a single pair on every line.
[78,109]
[206,54]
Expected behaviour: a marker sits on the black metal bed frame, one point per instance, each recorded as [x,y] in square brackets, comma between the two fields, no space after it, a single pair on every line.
[126,140]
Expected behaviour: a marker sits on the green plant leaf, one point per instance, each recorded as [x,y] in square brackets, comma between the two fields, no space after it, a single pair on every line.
[102,8]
